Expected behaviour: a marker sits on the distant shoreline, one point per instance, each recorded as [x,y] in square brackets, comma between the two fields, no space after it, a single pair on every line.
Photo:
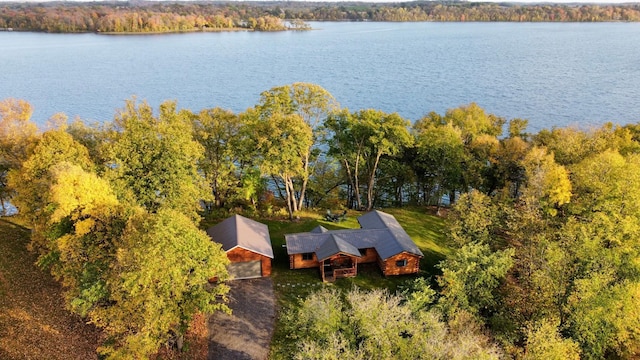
[151,17]
[216,30]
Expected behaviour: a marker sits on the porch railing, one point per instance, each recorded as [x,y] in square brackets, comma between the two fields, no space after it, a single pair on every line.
[342,273]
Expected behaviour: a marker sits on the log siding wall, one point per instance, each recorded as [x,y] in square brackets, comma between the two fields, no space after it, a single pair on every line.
[389,266]
[296,262]
[370,257]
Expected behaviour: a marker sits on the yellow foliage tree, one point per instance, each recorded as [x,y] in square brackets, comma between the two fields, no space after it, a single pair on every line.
[547,181]
[17,135]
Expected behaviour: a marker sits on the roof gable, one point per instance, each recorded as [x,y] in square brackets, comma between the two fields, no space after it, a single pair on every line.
[334,245]
[319,229]
[239,231]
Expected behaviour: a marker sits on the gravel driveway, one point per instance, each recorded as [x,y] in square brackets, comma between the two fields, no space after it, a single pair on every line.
[246,334]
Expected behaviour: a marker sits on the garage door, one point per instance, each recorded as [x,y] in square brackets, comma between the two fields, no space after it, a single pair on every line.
[245,270]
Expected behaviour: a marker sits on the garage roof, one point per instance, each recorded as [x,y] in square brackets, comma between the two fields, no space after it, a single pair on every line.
[239,231]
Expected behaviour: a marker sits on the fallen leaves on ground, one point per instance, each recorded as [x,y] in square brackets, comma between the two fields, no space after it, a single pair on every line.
[34,323]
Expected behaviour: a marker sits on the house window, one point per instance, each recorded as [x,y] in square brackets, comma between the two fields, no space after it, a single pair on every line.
[307,256]
[363,252]
[401,263]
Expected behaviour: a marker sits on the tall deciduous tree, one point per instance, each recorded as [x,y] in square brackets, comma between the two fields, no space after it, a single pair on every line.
[157,282]
[361,140]
[347,144]
[507,171]
[153,159]
[479,132]
[473,121]
[94,136]
[439,158]
[281,142]
[473,219]
[17,135]
[548,183]
[471,277]
[138,275]
[32,180]
[85,222]
[312,104]
[571,145]
[226,157]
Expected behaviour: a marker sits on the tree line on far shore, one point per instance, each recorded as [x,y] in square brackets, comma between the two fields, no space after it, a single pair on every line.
[141,17]
[545,226]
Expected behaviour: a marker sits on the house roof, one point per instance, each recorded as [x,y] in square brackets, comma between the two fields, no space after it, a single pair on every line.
[377,220]
[334,245]
[379,230]
[319,229]
[239,231]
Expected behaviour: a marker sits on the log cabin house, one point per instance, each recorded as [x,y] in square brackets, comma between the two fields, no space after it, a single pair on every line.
[337,253]
[247,244]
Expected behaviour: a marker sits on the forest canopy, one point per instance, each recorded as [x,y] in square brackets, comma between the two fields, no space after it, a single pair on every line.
[545,226]
[144,17]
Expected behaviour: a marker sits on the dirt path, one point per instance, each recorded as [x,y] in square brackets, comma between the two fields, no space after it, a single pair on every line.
[246,334]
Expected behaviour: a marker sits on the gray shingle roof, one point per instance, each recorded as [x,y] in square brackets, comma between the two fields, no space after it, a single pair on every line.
[319,229]
[335,245]
[379,230]
[239,231]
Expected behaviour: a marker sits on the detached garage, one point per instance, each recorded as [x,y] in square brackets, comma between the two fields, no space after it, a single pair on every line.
[247,244]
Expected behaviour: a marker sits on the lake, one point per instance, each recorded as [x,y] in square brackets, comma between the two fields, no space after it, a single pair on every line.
[554,74]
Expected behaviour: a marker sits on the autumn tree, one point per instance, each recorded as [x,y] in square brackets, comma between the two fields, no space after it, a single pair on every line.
[281,141]
[312,104]
[361,139]
[86,221]
[153,159]
[157,283]
[507,172]
[439,158]
[547,182]
[479,132]
[93,136]
[140,276]
[32,180]
[473,121]
[544,341]
[17,135]
[377,325]
[602,235]
[570,145]
[226,155]
[473,220]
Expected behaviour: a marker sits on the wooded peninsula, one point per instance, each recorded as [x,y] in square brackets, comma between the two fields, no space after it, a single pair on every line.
[536,251]
[154,17]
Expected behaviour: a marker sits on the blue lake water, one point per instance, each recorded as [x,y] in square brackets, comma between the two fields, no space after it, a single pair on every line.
[554,74]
